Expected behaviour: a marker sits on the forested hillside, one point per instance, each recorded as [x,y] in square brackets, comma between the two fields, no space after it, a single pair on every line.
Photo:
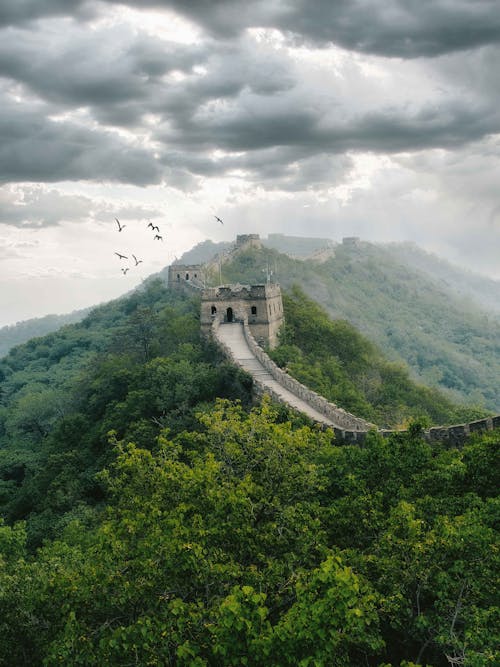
[15,334]
[134,365]
[334,359]
[416,308]
[447,342]
[152,517]
[465,284]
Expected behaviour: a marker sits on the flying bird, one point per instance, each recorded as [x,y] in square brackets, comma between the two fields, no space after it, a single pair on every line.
[150,224]
[158,237]
[120,227]
[137,261]
[121,256]
[155,228]
[124,271]
[218,219]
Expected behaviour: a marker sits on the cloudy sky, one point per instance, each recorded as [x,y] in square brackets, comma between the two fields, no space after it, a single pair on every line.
[374,118]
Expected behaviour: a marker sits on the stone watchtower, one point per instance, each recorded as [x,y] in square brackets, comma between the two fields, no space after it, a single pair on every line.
[181,276]
[260,305]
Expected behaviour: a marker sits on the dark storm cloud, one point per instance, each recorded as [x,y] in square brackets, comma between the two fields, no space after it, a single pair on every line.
[35,148]
[15,12]
[395,27]
[279,168]
[391,28]
[247,99]
[120,73]
[275,123]
[114,70]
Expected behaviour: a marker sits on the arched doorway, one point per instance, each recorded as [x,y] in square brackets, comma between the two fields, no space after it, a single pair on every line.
[229,314]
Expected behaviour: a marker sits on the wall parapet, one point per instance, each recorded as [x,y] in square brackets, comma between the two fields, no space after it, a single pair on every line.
[329,410]
[350,429]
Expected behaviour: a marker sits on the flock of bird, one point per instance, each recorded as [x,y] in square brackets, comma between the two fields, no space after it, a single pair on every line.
[136,261]
[157,237]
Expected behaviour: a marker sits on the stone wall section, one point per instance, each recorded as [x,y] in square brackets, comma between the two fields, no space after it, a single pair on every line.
[353,429]
[191,278]
[345,419]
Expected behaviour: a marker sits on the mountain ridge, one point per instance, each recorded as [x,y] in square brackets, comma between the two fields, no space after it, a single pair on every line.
[447,340]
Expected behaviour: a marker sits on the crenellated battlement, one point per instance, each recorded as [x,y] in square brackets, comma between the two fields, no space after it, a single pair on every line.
[260,306]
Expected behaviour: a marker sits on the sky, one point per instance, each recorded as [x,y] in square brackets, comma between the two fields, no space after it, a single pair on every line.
[328,118]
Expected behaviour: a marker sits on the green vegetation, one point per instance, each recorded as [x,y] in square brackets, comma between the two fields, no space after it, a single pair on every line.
[336,361]
[152,517]
[446,341]
[466,285]
[248,542]
[136,366]
[19,333]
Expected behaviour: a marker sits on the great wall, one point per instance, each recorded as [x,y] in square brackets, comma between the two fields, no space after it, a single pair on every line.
[244,318]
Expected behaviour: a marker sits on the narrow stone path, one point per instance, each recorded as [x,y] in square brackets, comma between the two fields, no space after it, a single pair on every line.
[232,336]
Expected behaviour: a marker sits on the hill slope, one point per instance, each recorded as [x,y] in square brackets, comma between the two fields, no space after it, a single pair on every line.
[15,334]
[339,363]
[483,291]
[447,343]
[150,520]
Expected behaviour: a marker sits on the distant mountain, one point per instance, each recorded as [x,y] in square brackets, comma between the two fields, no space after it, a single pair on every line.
[296,246]
[440,320]
[18,333]
[482,290]
[448,341]
[203,252]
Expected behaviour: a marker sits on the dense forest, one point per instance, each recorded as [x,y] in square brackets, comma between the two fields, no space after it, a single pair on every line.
[154,515]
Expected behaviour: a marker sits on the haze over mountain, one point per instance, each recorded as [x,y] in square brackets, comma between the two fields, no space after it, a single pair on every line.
[447,340]
[482,290]
[16,334]
[417,308]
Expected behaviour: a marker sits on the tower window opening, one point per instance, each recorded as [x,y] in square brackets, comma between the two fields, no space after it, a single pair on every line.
[187,276]
[254,310]
[213,310]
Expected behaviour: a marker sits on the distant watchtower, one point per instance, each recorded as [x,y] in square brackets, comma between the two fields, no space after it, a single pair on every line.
[182,276]
[248,241]
[260,305]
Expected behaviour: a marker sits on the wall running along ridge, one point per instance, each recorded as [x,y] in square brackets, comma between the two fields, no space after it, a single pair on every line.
[351,429]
